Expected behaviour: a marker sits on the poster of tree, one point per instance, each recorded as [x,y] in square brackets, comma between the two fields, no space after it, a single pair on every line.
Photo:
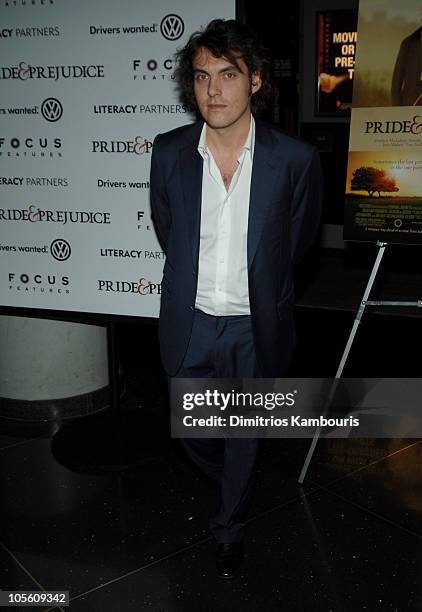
[384,175]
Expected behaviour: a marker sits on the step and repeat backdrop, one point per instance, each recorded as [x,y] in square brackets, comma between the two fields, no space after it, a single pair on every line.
[84,89]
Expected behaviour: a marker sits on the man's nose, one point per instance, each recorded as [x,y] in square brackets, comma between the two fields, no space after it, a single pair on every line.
[214,88]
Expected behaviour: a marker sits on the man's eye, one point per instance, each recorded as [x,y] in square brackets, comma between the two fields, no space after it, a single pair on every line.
[230,75]
[201,77]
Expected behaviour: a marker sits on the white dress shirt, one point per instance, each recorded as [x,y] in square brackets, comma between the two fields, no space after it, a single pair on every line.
[223,269]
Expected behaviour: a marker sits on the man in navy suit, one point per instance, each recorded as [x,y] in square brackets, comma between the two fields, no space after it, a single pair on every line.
[235,204]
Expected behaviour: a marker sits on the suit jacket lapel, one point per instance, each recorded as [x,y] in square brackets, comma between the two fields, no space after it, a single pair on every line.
[191,164]
[264,173]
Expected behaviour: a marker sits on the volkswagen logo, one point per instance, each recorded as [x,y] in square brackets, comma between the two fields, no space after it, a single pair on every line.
[60,249]
[51,109]
[172,27]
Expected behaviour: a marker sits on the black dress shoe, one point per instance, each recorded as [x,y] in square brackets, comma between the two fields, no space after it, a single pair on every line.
[229,558]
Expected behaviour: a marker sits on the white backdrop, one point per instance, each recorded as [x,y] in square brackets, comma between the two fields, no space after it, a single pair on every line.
[84,89]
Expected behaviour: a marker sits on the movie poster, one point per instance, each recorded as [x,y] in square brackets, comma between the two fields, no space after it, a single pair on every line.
[384,175]
[336,62]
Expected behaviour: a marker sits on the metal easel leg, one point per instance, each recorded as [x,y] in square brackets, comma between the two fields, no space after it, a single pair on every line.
[359,314]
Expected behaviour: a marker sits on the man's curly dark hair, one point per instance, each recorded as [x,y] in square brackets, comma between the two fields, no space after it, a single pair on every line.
[232,40]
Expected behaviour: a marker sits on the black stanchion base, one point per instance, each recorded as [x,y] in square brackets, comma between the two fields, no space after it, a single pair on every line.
[104,442]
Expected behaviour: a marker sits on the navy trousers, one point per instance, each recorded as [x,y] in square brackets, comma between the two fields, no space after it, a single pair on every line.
[223,347]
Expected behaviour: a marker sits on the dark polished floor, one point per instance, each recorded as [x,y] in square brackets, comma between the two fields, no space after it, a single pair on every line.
[350,539]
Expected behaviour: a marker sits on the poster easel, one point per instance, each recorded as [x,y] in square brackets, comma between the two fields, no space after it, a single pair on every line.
[364,303]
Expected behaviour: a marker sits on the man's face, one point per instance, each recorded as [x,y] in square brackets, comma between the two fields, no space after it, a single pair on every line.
[222,91]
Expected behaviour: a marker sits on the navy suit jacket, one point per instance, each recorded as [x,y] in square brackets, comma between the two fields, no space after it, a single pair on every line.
[284,214]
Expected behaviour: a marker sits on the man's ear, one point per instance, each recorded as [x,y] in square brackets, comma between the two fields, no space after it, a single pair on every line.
[256,82]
